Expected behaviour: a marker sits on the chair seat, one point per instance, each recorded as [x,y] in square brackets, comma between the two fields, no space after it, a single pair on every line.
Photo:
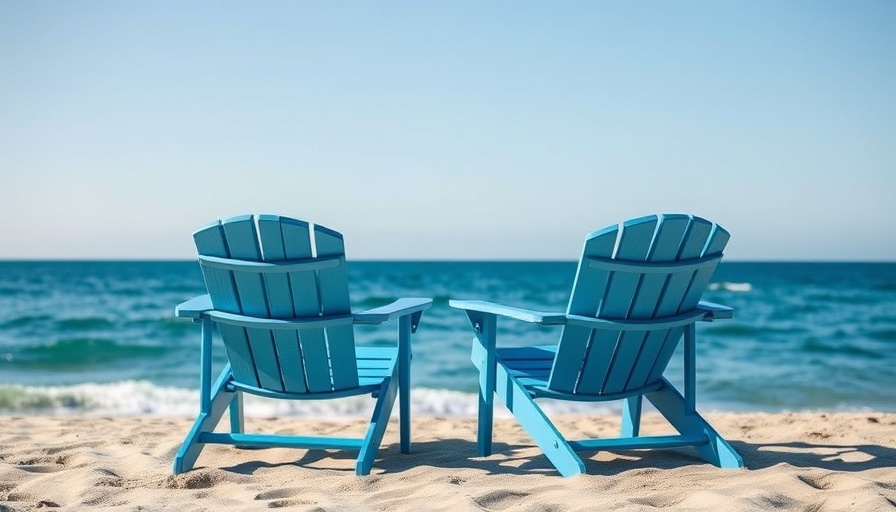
[375,365]
[531,367]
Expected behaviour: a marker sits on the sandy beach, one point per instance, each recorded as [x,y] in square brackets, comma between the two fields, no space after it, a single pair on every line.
[799,462]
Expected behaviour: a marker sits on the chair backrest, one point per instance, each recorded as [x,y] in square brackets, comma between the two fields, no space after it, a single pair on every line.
[650,268]
[271,267]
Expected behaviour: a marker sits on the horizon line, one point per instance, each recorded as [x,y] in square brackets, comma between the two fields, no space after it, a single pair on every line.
[425,260]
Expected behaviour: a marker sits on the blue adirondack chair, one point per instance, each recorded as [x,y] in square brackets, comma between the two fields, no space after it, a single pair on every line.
[278,295]
[636,293]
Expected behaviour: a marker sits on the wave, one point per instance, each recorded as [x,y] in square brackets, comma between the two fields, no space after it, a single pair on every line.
[882,334]
[843,297]
[25,321]
[737,330]
[163,327]
[68,352]
[88,323]
[816,346]
[730,287]
[140,397]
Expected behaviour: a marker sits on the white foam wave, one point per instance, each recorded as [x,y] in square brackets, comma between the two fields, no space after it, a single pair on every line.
[130,398]
[731,287]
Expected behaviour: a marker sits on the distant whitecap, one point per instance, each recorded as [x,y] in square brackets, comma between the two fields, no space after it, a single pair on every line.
[731,287]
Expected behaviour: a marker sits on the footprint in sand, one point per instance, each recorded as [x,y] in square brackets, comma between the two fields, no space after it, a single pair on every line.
[192,480]
[40,468]
[274,494]
[5,490]
[282,498]
[500,499]
[292,503]
[821,483]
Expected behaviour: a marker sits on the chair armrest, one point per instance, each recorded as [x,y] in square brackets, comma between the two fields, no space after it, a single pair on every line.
[715,311]
[400,307]
[194,307]
[526,315]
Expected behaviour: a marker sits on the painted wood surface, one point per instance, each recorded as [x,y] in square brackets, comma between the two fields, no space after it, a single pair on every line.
[278,295]
[636,294]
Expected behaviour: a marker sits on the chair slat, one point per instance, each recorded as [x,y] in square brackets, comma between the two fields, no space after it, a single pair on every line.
[373,373]
[632,354]
[317,363]
[535,353]
[290,354]
[334,298]
[530,373]
[279,296]
[588,290]
[242,242]
[242,239]
[303,285]
[574,342]
[665,248]
[341,344]
[599,357]
[670,343]
[219,283]
[651,352]
[691,247]
[624,358]
[239,353]
[374,355]
[534,364]
[267,362]
[634,245]
[716,243]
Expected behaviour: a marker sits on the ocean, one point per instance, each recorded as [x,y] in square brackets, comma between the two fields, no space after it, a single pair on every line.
[100,337]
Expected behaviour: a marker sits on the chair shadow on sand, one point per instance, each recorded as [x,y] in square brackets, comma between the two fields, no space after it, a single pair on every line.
[524,459]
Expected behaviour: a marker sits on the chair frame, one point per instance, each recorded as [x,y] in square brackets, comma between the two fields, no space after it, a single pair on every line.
[519,376]
[679,410]
[385,371]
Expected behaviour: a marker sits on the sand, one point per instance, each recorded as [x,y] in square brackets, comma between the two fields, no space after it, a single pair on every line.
[800,462]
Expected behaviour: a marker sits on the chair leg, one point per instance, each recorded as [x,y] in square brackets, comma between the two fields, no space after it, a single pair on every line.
[486,413]
[404,383]
[378,422]
[536,423]
[671,404]
[483,357]
[237,424]
[205,422]
[631,416]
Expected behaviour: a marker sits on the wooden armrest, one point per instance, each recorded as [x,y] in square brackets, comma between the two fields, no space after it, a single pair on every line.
[194,307]
[526,315]
[715,311]
[400,307]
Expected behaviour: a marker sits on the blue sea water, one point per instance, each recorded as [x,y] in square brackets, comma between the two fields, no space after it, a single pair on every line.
[101,338]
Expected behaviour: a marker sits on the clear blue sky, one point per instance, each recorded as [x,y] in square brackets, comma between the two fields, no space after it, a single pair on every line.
[447,129]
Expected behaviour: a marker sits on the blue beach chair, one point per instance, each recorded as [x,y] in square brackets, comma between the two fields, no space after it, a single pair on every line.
[636,293]
[278,294]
